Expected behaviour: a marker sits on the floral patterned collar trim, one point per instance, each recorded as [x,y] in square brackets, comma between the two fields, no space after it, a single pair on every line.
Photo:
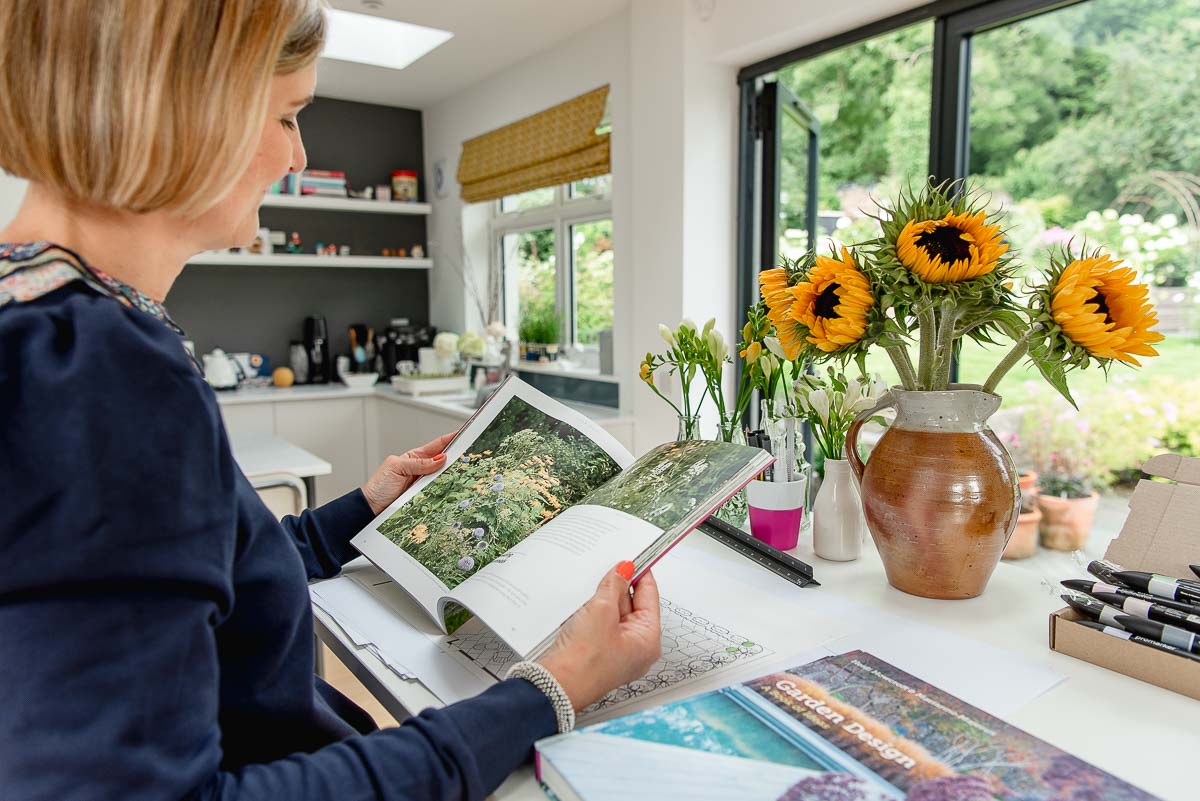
[30,270]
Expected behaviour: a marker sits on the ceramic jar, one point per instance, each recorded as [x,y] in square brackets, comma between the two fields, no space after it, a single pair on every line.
[939,491]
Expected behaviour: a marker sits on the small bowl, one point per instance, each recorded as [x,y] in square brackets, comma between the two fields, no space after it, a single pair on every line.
[359,380]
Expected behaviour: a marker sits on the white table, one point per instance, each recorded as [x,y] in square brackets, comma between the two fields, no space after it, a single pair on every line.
[259,454]
[1139,732]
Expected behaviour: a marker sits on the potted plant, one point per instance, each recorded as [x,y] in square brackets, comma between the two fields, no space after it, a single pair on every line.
[1024,540]
[1068,475]
[942,272]
[539,332]
[1068,504]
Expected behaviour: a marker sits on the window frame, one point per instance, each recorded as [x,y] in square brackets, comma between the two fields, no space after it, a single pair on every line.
[955,22]
[558,216]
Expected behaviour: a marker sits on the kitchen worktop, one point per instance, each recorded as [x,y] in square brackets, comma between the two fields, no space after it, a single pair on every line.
[460,404]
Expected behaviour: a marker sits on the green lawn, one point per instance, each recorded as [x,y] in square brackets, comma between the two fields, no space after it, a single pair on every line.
[1178,362]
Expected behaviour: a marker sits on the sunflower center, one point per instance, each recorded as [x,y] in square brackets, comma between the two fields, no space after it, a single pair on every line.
[946,243]
[827,301]
[1102,302]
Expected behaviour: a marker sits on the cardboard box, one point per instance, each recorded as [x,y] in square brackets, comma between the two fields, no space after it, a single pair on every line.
[1161,535]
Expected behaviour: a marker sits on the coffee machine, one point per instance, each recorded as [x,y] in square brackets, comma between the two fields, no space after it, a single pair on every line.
[397,346]
[316,348]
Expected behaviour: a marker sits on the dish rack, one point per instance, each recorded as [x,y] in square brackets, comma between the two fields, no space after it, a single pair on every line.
[430,385]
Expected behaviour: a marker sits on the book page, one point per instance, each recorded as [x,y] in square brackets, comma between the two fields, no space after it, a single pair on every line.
[519,462]
[637,515]
[677,485]
[526,594]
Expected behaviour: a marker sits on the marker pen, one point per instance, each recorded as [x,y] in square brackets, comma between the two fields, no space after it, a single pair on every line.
[1093,587]
[1171,635]
[1162,586]
[1151,610]
[1125,635]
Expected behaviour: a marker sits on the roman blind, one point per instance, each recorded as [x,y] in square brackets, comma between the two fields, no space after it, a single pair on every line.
[551,147]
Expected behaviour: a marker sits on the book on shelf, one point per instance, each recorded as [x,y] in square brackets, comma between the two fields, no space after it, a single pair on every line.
[535,503]
[311,173]
[846,728]
[322,191]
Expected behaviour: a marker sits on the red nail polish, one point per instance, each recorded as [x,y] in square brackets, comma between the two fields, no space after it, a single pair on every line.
[625,570]
[441,457]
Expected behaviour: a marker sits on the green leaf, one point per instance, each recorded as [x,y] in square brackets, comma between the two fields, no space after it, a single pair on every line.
[1056,376]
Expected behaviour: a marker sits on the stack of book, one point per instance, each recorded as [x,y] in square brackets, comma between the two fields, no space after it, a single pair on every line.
[325,183]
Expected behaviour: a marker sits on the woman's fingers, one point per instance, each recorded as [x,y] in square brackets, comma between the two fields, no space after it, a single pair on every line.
[645,596]
[435,447]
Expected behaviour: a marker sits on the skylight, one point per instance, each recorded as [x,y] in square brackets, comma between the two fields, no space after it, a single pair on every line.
[379,41]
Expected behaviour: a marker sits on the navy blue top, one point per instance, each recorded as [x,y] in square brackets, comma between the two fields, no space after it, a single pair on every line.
[155,628]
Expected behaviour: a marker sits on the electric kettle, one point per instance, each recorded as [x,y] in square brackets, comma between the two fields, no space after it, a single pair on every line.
[221,370]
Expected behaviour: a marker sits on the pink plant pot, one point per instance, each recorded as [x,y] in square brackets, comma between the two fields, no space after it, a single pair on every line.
[776,510]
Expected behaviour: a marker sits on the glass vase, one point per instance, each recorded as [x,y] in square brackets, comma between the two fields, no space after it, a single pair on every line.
[787,445]
[736,510]
[689,428]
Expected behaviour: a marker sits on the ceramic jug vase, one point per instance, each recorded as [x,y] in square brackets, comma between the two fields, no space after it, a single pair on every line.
[939,491]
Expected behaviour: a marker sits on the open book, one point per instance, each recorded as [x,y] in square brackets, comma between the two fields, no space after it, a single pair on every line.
[535,503]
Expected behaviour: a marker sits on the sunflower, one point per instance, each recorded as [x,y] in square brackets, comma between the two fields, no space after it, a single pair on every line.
[1101,310]
[827,309]
[958,247]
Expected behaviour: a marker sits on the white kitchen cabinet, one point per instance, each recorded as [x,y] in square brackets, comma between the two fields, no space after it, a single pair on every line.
[399,427]
[334,430]
[248,418]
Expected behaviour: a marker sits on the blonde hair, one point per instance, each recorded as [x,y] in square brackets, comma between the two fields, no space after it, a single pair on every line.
[143,105]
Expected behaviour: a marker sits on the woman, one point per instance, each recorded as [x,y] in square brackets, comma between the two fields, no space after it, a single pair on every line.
[155,620]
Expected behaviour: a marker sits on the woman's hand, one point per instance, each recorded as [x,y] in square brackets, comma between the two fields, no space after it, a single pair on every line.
[397,473]
[612,640]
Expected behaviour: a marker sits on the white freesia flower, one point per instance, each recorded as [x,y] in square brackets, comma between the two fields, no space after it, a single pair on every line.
[853,394]
[716,346]
[688,324]
[708,326]
[818,399]
[764,364]
[667,335]
[773,345]
[878,387]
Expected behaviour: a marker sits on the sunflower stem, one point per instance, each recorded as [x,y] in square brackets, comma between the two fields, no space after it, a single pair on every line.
[945,344]
[903,365]
[1020,348]
[927,321]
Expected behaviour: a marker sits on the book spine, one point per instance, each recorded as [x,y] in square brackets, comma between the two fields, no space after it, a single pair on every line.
[324,174]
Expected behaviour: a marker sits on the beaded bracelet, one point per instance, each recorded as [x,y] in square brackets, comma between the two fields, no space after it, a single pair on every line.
[538,676]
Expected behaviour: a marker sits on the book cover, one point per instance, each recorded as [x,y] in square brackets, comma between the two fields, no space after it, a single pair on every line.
[844,728]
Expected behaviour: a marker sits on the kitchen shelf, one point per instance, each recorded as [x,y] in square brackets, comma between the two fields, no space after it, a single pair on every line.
[310,260]
[318,203]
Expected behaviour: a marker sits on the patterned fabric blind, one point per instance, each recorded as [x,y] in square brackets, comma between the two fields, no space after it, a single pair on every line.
[551,147]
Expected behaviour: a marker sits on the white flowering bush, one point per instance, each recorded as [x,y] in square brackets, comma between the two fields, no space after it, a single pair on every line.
[1164,251]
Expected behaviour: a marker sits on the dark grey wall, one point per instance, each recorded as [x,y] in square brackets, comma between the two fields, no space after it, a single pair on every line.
[261,309]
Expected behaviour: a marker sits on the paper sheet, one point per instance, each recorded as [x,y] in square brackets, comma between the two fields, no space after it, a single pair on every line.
[395,637]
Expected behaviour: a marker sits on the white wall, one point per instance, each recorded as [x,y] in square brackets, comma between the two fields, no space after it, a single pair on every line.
[12,190]
[672,67]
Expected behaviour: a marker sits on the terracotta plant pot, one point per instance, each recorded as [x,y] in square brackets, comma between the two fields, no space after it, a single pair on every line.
[1067,522]
[1028,481]
[939,492]
[1024,541]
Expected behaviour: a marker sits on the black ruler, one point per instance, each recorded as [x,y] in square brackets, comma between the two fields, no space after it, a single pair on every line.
[780,563]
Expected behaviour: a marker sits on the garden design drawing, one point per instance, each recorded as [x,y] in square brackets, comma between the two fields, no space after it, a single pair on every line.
[691,646]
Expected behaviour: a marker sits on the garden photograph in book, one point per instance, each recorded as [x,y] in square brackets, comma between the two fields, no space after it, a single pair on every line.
[523,470]
[666,484]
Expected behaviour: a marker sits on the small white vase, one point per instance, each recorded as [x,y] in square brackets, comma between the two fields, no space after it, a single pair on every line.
[838,526]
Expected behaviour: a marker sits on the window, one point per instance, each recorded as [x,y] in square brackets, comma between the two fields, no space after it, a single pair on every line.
[1077,118]
[555,249]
